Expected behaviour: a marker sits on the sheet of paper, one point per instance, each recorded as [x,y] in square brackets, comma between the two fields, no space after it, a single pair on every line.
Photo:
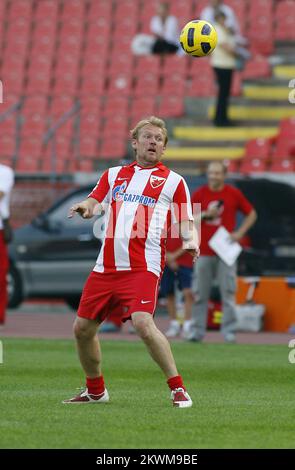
[224,247]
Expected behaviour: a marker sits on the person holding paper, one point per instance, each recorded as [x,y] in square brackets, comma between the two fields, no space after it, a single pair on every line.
[220,204]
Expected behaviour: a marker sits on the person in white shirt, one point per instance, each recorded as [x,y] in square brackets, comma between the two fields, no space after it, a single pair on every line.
[166,31]
[231,21]
[223,60]
[6,184]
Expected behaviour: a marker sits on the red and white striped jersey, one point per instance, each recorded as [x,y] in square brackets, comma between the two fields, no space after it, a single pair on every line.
[141,205]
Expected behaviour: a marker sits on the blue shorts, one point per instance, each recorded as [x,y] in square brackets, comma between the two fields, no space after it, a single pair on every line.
[183,276]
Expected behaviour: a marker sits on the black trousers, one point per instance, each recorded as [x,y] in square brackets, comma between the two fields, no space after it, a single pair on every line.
[224,80]
[163,47]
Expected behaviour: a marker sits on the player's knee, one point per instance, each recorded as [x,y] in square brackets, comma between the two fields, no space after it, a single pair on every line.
[82,331]
[144,327]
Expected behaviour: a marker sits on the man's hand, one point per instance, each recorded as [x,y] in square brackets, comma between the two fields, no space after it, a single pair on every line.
[192,248]
[236,236]
[86,209]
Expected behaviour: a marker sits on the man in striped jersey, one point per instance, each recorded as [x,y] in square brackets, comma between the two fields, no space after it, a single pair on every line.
[143,200]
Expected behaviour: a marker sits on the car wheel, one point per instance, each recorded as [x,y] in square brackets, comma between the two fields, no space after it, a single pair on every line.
[73,301]
[14,288]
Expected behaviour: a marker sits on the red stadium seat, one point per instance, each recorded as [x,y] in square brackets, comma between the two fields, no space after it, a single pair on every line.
[116,125]
[17,44]
[31,146]
[20,27]
[46,9]
[142,107]
[258,148]
[92,85]
[175,64]
[47,165]
[88,146]
[124,24]
[85,165]
[112,149]
[202,85]
[35,104]
[89,124]
[62,147]
[43,44]
[66,82]
[253,165]
[120,85]
[13,81]
[90,104]
[13,62]
[67,63]
[27,164]
[236,89]
[285,147]
[20,9]
[287,127]
[146,85]
[174,85]
[73,9]
[38,82]
[121,65]
[285,165]
[257,67]
[115,105]
[100,9]
[171,106]
[34,123]
[70,43]
[7,145]
[8,126]
[147,65]
[72,26]
[40,63]
[233,166]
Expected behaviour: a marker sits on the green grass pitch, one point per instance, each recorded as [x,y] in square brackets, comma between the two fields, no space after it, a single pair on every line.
[243,398]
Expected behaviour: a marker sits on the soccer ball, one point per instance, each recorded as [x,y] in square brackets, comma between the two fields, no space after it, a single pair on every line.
[198,38]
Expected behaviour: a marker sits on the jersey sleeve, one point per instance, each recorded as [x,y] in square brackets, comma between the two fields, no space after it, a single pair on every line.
[181,204]
[244,205]
[101,192]
[6,181]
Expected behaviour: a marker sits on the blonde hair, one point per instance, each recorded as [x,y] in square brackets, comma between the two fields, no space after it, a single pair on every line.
[154,121]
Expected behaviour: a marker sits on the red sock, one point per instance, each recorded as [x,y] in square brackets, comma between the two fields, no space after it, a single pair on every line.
[175,382]
[95,386]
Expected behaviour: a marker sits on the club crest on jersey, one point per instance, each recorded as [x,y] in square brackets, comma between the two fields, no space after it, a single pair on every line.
[118,191]
[156,181]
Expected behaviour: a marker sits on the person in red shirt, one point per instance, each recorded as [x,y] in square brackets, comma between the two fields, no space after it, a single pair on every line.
[179,269]
[220,205]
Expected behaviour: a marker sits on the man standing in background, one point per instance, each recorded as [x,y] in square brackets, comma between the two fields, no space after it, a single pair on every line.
[220,204]
[6,184]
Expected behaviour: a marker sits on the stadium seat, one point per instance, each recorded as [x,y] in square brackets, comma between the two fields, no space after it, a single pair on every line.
[146,85]
[253,165]
[67,63]
[73,9]
[120,65]
[201,86]
[174,85]
[38,82]
[112,148]
[92,85]
[72,26]
[17,44]
[171,106]
[27,164]
[13,62]
[285,147]
[287,127]
[149,64]
[30,146]
[70,43]
[256,67]
[47,165]
[100,9]
[61,105]
[88,146]
[13,80]
[89,124]
[175,64]
[46,9]
[233,166]
[62,147]
[8,126]
[66,82]
[7,145]
[115,105]
[116,126]
[120,84]
[34,123]
[141,107]
[35,104]
[20,9]
[258,148]
[85,165]
[90,104]
[284,165]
